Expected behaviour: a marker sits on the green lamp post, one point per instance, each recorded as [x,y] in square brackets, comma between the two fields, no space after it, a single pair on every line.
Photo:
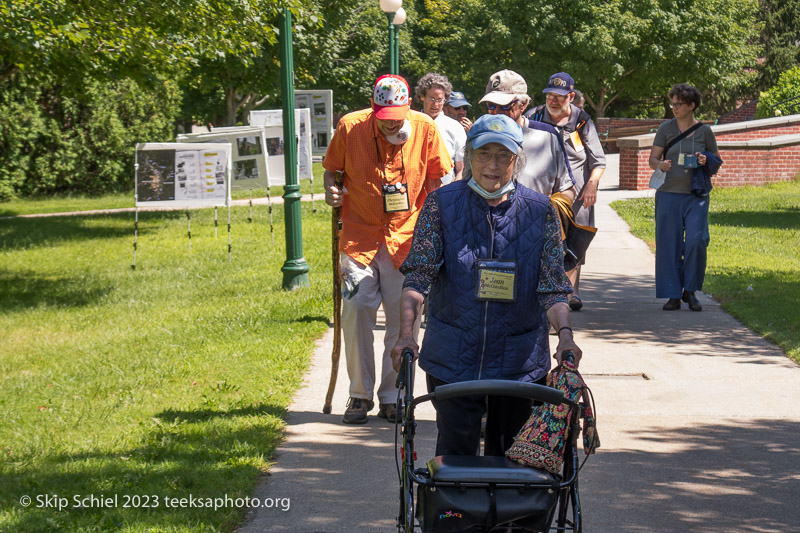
[295,268]
[391,8]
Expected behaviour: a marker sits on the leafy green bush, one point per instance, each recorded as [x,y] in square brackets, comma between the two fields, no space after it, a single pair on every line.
[53,142]
[788,86]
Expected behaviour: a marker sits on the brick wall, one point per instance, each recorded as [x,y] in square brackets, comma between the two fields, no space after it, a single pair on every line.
[603,124]
[758,166]
[744,112]
[754,153]
[757,133]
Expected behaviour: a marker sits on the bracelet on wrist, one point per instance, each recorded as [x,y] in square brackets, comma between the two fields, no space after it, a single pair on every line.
[563,328]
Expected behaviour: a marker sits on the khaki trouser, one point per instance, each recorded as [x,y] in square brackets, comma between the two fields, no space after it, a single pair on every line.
[363,290]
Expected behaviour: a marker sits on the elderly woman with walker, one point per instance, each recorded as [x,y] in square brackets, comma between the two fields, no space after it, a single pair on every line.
[487,252]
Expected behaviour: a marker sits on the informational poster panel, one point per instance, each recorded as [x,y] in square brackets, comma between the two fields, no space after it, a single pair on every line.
[320,103]
[250,169]
[182,174]
[271,120]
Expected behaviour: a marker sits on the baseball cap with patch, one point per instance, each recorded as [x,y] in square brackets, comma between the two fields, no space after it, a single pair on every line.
[390,97]
[504,87]
[496,129]
[457,99]
[560,83]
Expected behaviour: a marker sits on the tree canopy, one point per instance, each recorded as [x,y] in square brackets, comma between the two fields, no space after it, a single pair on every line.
[221,56]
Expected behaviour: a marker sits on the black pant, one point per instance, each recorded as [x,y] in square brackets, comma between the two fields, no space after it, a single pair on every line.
[458,422]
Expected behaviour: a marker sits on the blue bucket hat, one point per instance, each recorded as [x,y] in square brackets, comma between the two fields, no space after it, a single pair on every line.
[560,83]
[457,99]
[496,129]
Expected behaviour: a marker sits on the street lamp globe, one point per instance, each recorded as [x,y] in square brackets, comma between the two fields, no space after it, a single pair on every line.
[391,6]
[399,16]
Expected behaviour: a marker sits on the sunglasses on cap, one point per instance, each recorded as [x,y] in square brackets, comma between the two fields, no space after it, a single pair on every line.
[491,106]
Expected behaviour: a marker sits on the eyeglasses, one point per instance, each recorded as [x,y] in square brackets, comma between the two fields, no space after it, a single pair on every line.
[557,97]
[503,158]
[491,106]
[676,105]
[432,100]
[460,108]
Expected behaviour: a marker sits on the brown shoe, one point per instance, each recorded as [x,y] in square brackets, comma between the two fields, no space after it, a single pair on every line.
[388,411]
[357,409]
[691,299]
[673,304]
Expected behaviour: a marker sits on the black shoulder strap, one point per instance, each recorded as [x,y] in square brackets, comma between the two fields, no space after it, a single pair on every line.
[681,137]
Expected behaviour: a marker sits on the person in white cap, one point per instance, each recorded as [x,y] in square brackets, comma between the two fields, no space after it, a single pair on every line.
[433,91]
[389,158]
[547,170]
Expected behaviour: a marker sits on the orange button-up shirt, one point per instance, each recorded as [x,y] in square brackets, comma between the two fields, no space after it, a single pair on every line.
[368,161]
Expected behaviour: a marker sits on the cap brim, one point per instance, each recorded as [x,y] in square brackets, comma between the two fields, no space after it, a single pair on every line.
[498,98]
[486,138]
[391,112]
[562,92]
[459,103]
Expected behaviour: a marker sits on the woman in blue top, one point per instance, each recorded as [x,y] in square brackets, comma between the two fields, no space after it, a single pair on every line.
[487,252]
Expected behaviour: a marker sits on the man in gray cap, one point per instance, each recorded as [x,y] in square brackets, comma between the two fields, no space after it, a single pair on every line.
[547,170]
[456,108]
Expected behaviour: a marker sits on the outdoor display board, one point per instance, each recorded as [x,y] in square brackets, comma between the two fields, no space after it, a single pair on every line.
[271,120]
[320,106]
[182,174]
[249,154]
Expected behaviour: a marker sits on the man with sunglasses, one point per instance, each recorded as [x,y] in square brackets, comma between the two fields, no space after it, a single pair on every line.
[547,170]
[586,156]
[456,108]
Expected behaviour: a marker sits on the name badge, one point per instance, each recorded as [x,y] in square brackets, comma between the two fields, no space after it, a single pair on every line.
[395,198]
[496,280]
[576,141]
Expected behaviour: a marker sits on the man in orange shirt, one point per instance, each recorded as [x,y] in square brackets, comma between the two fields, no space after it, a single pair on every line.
[390,158]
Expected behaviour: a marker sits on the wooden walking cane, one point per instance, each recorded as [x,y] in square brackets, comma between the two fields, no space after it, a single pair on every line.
[336,224]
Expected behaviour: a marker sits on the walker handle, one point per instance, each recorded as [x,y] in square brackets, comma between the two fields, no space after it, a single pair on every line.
[501,387]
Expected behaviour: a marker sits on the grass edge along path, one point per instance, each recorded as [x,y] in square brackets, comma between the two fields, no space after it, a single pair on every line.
[78,203]
[168,381]
[753,256]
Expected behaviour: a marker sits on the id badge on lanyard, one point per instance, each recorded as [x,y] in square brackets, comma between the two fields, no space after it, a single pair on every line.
[395,198]
[496,280]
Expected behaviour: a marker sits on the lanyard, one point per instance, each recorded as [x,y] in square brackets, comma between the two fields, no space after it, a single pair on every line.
[382,167]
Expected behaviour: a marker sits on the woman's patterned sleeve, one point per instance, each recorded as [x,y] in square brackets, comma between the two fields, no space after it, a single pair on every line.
[421,267]
[554,286]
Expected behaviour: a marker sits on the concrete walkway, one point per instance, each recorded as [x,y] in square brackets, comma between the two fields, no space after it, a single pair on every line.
[699,418]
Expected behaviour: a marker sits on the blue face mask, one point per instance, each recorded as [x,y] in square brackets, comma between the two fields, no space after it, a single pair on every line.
[505,189]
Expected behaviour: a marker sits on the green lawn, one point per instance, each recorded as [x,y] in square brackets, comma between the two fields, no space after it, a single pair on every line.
[124,200]
[753,259]
[167,381]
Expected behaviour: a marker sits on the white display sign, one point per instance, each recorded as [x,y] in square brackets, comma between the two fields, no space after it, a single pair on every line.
[182,174]
[320,103]
[271,120]
[250,169]
[320,118]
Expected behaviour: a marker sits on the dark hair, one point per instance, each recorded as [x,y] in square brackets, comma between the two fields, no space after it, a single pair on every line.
[432,80]
[686,93]
[579,98]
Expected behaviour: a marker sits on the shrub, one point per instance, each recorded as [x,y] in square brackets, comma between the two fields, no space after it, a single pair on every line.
[52,142]
[788,86]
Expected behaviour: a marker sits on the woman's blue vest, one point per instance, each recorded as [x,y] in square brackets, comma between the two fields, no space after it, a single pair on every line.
[467,339]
